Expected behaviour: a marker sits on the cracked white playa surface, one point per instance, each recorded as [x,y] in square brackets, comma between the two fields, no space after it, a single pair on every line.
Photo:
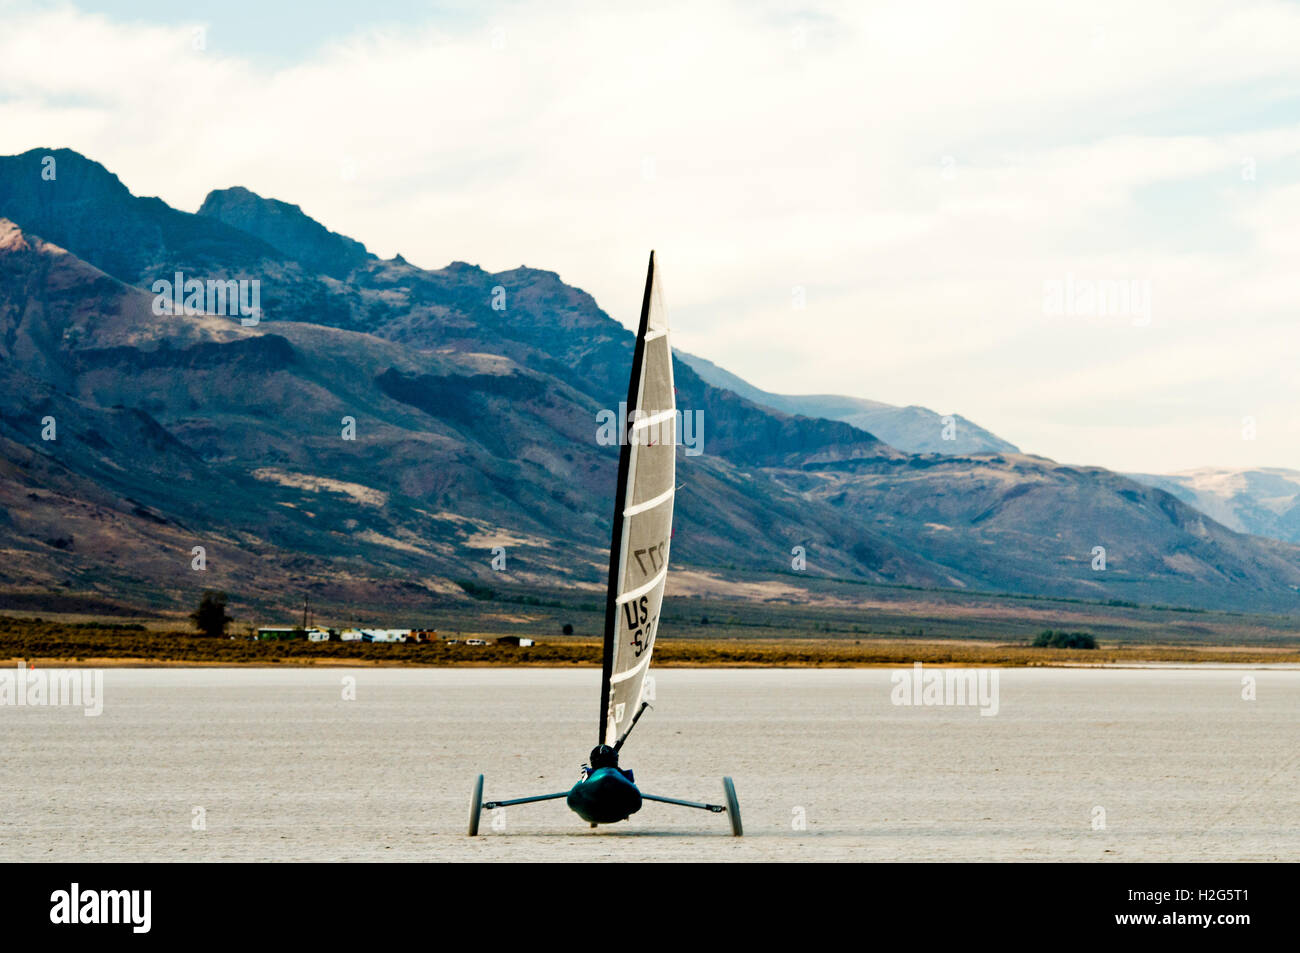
[285,769]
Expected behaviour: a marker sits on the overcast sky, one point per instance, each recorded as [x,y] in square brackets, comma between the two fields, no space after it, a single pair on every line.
[907,202]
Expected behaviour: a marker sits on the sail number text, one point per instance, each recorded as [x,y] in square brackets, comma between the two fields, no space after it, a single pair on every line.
[655,554]
[640,624]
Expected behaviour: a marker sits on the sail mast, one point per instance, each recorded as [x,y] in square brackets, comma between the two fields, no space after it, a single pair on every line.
[620,500]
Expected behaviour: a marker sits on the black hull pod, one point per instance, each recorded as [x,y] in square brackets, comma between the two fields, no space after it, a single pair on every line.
[605,797]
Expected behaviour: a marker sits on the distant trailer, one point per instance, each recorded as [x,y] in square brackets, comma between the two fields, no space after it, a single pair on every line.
[424,635]
[475,642]
[279,634]
[515,640]
[318,635]
[351,635]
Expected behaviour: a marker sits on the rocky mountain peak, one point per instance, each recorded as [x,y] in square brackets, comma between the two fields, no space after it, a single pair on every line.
[288,229]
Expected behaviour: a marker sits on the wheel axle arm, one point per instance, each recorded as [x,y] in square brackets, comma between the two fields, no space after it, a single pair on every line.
[489,805]
[715,808]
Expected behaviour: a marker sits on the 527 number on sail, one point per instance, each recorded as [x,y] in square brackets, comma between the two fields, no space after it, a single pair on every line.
[640,624]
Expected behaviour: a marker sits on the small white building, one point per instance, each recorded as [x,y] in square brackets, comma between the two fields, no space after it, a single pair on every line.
[350,635]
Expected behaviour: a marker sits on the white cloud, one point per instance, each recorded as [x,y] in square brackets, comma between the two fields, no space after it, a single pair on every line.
[759,150]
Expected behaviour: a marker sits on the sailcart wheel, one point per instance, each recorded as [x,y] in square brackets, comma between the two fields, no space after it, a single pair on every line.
[475,806]
[733,807]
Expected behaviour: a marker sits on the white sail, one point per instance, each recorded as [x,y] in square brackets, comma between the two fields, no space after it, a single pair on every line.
[643,523]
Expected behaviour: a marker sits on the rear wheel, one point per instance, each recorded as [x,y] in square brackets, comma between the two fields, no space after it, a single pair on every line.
[475,806]
[733,806]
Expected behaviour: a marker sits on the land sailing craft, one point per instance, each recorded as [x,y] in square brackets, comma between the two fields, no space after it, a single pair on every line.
[638,570]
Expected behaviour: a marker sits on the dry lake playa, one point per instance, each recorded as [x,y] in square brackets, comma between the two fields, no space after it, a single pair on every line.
[244,764]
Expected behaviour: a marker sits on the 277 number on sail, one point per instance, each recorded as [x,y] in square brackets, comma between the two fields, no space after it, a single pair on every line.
[655,554]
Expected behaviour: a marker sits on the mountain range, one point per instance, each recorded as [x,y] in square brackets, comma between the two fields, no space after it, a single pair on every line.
[1264,501]
[1261,501]
[383,429]
[910,429]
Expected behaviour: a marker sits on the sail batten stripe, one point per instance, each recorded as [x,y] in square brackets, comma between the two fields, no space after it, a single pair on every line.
[624,676]
[642,422]
[642,589]
[651,503]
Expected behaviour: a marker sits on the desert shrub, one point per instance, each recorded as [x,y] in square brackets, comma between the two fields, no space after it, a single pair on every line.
[1064,640]
[476,590]
[210,617]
